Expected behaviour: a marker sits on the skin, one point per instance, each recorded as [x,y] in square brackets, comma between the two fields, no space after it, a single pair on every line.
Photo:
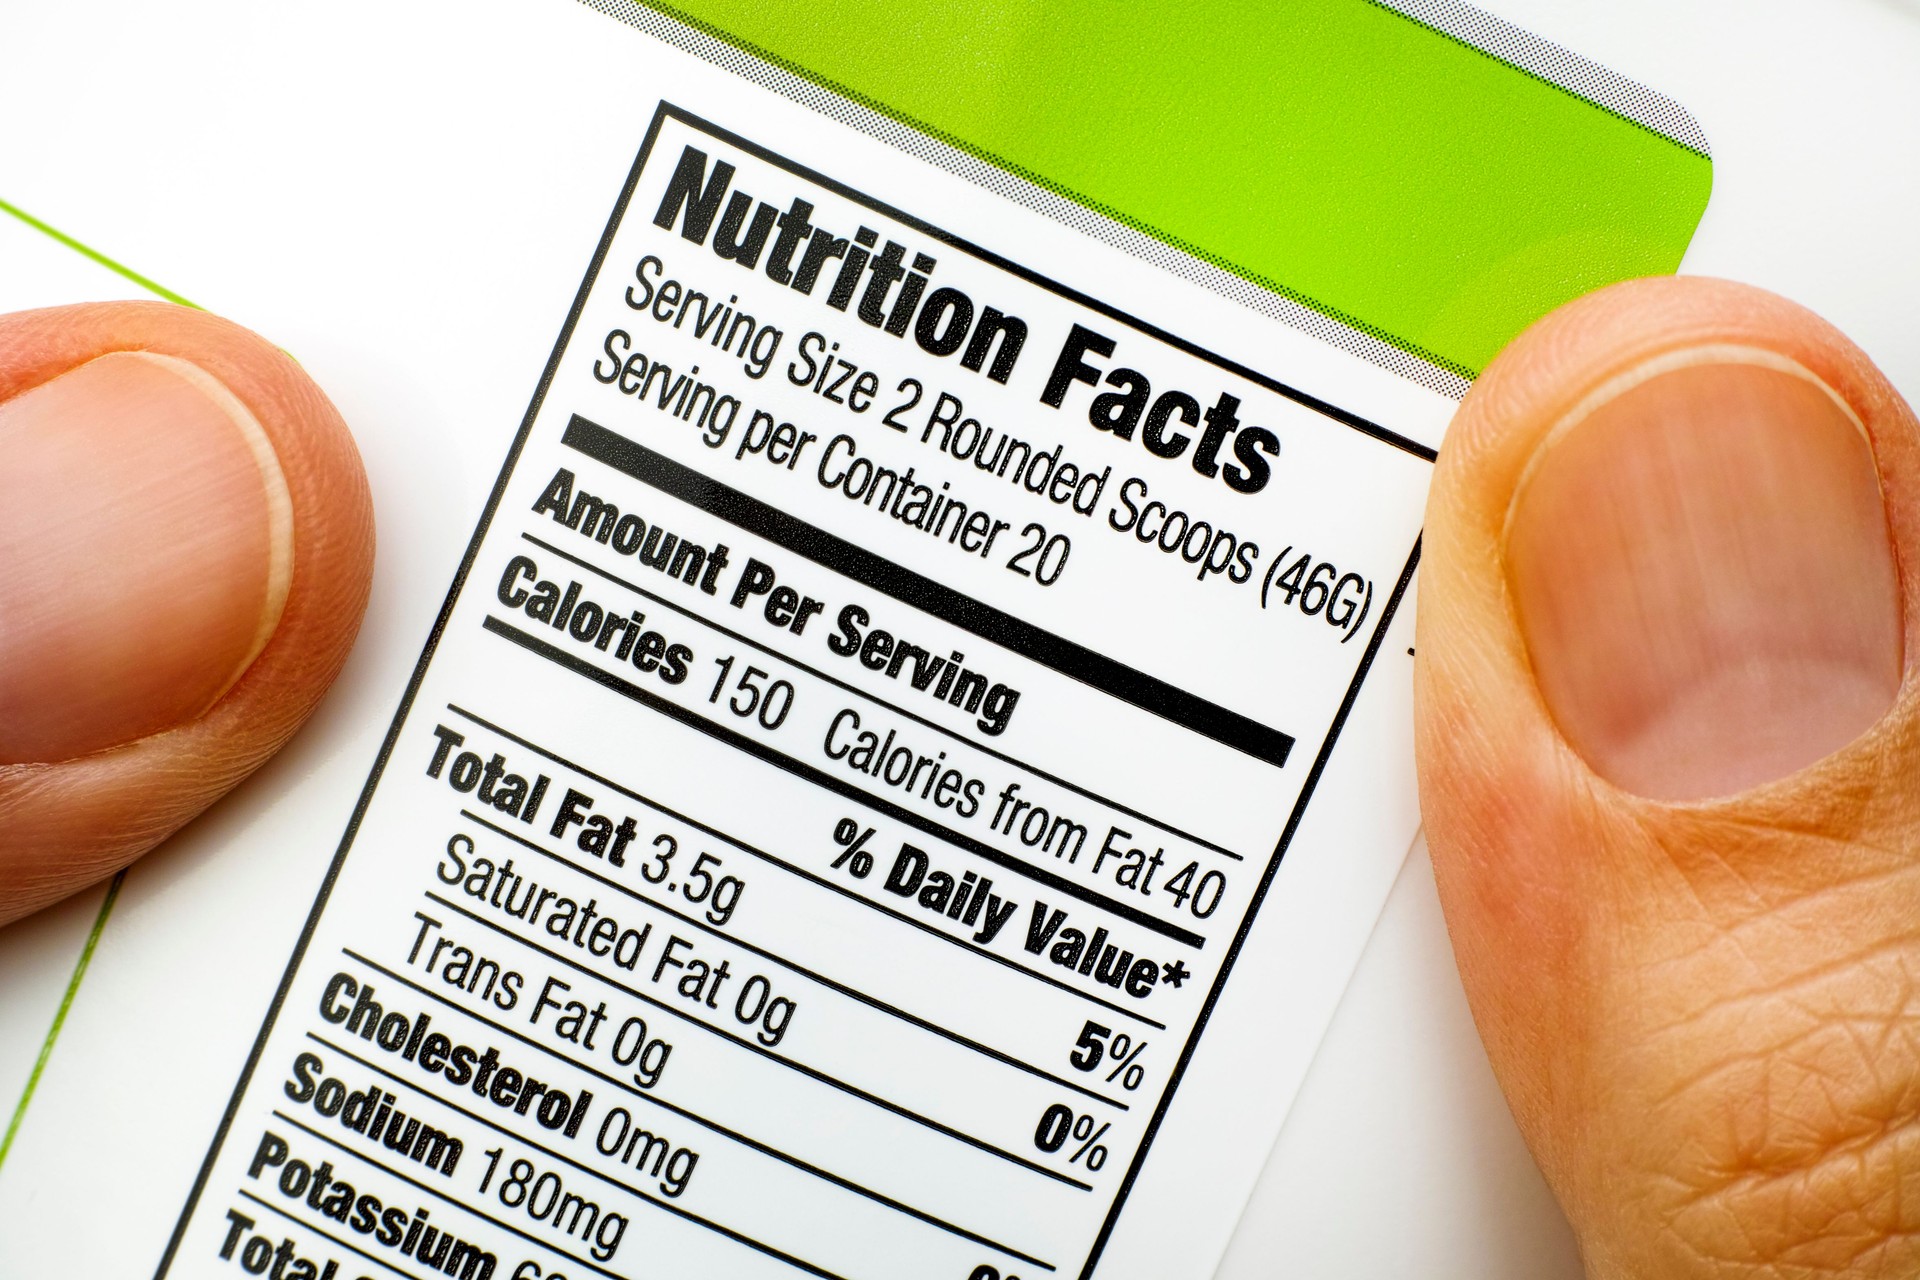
[1703,1013]
[72,822]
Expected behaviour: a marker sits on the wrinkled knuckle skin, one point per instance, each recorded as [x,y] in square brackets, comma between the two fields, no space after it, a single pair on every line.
[1764,1057]
[1787,1142]
[1703,1016]
[1706,1018]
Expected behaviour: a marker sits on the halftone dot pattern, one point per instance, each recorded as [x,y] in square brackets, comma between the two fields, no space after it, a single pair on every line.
[1545,60]
[1189,262]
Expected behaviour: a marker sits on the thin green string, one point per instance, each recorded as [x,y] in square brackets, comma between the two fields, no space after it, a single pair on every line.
[60,1018]
[113,887]
[87,251]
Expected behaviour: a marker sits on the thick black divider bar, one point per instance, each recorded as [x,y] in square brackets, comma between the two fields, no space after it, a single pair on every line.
[1115,679]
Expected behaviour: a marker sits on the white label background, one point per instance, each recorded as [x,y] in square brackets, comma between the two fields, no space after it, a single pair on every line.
[1356,507]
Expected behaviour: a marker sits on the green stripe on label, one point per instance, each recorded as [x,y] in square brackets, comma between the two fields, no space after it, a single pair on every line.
[157,290]
[113,886]
[60,1014]
[1335,151]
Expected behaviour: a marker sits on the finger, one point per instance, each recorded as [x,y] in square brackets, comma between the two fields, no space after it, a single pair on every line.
[1670,766]
[185,550]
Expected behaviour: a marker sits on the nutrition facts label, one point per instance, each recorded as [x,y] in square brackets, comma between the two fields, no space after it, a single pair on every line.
[865,729]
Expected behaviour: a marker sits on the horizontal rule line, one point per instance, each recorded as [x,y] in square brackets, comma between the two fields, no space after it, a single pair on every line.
[690,1216]
[812,1073]
[774,860]
[304,1225]
[439,1194]
[839,786]
[671,1108]
[1076,661]
[790,660]
[841,988]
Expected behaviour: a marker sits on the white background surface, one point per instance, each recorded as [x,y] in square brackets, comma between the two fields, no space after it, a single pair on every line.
[1399,1159]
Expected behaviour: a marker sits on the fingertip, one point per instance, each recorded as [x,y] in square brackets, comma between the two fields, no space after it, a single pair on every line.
[1663,702]
[206,646]
[1733,413]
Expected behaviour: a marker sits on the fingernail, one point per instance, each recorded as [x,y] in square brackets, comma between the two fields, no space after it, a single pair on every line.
[1704,576]
[146,547]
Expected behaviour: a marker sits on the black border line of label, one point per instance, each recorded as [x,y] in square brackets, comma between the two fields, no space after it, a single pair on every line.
[406,698]
[1365,426]
[664,111]
[1253,906]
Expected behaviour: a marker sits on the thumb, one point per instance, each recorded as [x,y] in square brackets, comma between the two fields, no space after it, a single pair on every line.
[1670,766]
[185,548]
